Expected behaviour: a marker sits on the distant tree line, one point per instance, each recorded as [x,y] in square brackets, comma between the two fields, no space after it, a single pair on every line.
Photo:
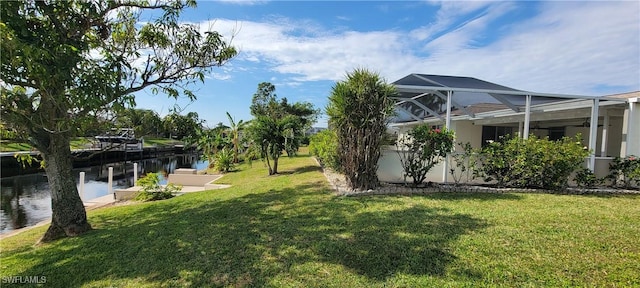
[145,122]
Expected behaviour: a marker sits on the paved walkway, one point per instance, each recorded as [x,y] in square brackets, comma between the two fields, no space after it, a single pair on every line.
[125,194]
[99,202]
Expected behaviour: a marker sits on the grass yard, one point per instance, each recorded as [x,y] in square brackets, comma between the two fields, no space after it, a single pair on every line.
[150,142]
[11,146]
[290,231]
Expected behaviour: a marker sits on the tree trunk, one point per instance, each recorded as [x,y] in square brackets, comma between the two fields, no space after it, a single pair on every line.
[275,165]
[235,150]
[69,216]
[266,156]
[361,151]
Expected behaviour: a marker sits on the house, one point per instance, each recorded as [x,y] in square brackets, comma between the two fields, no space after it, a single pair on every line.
[480,111]
[314,130]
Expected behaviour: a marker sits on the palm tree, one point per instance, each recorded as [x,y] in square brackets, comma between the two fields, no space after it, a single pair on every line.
[234,130]
[358,110]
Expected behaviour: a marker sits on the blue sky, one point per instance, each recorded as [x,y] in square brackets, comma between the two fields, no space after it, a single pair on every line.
[304,47]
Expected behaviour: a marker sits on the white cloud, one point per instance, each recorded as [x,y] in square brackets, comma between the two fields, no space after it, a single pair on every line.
[218,76]
[464,34]
[324,57]
[448,15]
[569,47]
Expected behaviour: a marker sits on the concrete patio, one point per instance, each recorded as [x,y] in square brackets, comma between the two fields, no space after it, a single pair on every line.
[187,178]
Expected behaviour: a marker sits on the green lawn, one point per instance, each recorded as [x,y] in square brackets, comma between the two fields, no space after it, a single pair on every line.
[290,231]
[11,146]
[148,142]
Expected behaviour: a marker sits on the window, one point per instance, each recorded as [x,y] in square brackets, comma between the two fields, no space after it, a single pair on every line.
[556,133]
[493,133]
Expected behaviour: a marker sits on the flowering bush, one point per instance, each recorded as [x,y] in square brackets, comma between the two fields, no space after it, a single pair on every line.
[625,171]
[422,149]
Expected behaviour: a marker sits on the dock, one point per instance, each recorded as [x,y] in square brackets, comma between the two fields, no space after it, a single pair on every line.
[87,157]
[187,178]
[190,181]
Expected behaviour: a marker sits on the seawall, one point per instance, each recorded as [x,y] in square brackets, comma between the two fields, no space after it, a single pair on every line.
[9,166]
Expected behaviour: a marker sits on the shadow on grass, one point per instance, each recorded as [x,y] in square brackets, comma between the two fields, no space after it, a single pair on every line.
[303,169]
[250,240]
[607,195]
[456,196]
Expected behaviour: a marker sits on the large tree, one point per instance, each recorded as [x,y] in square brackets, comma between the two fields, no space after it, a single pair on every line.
[178,126]
[358,110]
[144,122]
[305,115]
[64,62]
[277,124]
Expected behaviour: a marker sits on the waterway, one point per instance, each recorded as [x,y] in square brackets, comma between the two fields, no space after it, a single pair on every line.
[25,200]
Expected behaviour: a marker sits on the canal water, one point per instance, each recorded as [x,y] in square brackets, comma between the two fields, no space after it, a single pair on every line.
[25,200]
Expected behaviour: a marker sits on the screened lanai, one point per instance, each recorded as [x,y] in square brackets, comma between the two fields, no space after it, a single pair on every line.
[423,97]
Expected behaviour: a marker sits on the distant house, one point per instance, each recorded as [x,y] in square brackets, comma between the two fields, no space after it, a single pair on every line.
[119,139]
[314,130]
[480,111]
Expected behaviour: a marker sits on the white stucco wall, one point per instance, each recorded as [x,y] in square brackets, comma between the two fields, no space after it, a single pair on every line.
[390,169]
[467,132]
[623,139]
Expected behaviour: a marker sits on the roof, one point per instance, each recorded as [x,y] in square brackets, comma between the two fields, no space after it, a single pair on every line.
[481,108]
[628,95]
[450,82]
[424,95]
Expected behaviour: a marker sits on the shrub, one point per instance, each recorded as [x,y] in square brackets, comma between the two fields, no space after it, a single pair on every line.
[305,140]
[462,164]
[586,178]
[625,171]
[533,162]
[324,145]
[152,190]
[250,154]
[422,149]
[224,160]
[494,163]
